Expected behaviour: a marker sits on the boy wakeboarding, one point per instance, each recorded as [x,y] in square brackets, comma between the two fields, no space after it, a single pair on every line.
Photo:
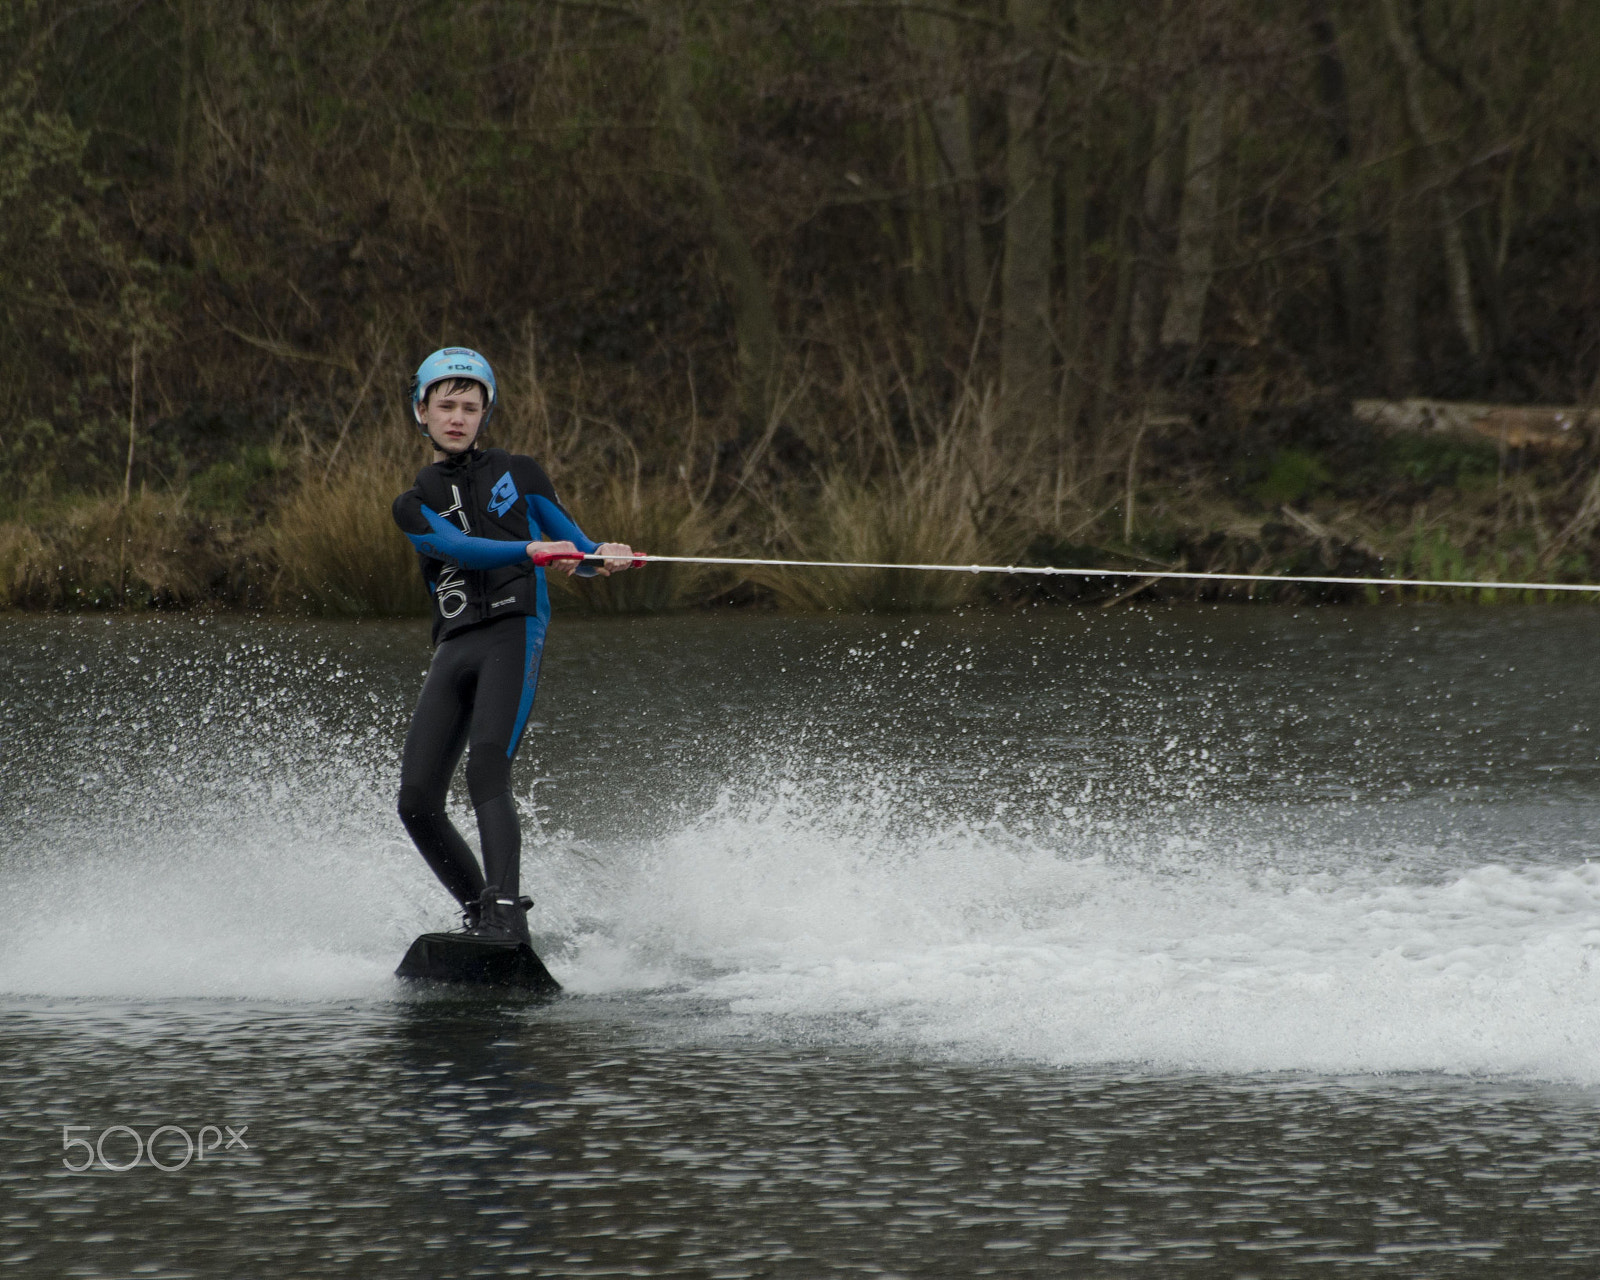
[483,522]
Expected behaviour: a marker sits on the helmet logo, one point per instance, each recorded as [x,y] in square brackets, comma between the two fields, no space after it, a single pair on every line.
[452,362]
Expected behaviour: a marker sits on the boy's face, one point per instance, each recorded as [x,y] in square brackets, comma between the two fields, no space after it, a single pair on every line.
[453,418]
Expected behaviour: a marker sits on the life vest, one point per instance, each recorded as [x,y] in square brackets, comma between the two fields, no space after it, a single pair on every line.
[490,496]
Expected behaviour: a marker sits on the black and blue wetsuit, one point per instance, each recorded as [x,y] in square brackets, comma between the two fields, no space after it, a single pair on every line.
[471,518]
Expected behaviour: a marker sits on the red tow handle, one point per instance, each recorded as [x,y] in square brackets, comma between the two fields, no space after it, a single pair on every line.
[542,558]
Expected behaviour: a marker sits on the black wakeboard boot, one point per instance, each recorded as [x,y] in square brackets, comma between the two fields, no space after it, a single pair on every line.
[502,918]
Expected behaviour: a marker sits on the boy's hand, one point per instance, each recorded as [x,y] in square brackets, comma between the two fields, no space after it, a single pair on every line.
[570,559]
[618,556]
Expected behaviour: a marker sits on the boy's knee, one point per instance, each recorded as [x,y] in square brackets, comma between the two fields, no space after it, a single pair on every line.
[488,772]
[417,802]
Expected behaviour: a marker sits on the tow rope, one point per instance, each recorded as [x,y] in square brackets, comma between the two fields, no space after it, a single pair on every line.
[1153,575]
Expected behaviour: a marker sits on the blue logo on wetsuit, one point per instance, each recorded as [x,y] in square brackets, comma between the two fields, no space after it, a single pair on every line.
[502,495]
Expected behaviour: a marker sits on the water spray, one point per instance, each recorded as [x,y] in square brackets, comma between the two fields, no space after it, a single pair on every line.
[1048,571]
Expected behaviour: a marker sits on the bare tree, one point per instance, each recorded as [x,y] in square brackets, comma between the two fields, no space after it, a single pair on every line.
[1197,216]
[1144,304]
[754,316]
[1457,266]
[936,35]
[1026,347]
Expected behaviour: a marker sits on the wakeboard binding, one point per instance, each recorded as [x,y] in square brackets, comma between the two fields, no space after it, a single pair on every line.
[492,949]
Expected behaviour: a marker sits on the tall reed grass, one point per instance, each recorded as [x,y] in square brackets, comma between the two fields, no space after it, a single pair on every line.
[860,461]
[336,542]
[924,515]
[904,480]
[99,552]
[648,515]
[340,552]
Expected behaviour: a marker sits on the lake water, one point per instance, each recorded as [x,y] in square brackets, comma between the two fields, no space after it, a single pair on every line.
[1182,942]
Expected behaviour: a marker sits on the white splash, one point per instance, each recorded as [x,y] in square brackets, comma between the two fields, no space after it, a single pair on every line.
[790,911]
[1088,946]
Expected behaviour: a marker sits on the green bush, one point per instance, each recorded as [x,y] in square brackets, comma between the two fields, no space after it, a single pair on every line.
[1292,476]
[1435,461]
[227,487]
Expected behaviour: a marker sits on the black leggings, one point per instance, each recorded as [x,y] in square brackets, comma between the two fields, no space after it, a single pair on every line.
[479,691]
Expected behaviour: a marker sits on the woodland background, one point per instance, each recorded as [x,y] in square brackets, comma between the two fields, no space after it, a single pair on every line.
[1072,281]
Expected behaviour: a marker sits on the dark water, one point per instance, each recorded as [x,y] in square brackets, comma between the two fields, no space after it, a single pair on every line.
[1209,942]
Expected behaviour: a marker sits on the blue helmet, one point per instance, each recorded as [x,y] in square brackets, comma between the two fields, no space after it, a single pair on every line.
[452,362]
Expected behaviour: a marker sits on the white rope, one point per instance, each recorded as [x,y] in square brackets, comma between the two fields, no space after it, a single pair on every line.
[1152,574]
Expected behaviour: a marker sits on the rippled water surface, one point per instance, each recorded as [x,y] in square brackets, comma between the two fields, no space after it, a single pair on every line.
[1199,942]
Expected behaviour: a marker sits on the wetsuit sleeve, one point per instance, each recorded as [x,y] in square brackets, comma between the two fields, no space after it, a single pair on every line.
[546,513]
[433,535]
[545,510]
[557,524]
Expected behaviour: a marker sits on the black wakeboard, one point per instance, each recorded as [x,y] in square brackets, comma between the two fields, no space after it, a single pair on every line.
[462,957]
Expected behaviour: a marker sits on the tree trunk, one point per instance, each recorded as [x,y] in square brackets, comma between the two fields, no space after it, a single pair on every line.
[1025,341]
[1457,265]
[1340,256]
[936,37]
[1144,303]
[755,319]
[952,126]
[1458,268]
[1197,219]
[1399,327]
[925,284]
[1070,160]
[1074,188]
[184,143]
[1127,234]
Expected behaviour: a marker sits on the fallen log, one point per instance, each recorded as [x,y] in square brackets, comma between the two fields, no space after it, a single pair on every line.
[1540,427]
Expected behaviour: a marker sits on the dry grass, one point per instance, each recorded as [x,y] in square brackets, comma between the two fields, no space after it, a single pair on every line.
[860,462]
[22,554]
[651,516]
[923,516]
[96,552]
[336,539]
[341,553]
[904,482]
